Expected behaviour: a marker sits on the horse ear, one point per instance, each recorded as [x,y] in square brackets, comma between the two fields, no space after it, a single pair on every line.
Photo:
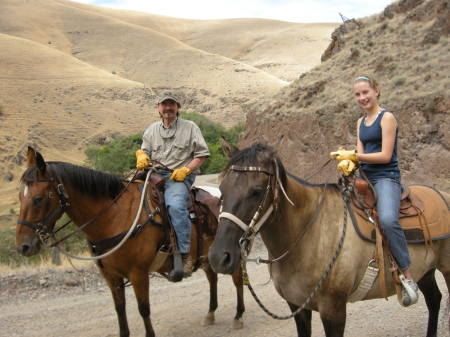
[40,162]
[31,157]
[228,148]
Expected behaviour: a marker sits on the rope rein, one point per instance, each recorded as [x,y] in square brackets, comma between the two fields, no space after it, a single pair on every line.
[122,242]
[345,196]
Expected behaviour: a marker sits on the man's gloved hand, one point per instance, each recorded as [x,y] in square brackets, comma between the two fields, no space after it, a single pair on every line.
[343,154]
[180,174]
[346,166]
[142,160]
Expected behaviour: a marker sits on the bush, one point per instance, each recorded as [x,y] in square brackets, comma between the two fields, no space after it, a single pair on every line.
[118,156]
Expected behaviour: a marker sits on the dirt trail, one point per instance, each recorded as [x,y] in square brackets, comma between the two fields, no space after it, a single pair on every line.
[178,310]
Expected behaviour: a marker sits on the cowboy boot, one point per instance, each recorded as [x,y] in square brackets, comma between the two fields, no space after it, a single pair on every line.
[187,265]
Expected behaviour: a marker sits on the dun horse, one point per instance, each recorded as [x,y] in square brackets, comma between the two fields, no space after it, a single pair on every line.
[88,197]
[250,184]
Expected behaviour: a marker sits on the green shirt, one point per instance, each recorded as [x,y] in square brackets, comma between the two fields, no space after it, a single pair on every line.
[174,146]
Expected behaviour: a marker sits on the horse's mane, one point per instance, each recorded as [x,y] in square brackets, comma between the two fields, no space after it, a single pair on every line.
[262,155]
[258,155]
[86,181]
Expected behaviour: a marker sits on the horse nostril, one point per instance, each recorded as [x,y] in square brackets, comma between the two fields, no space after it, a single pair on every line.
[25,249]
[226,260]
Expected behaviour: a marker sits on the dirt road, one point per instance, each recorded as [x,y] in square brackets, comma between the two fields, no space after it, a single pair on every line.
[178,310]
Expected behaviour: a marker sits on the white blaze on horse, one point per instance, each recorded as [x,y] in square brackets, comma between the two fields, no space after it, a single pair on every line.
[302,231]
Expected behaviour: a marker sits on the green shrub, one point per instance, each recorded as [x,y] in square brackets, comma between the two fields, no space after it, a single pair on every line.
[118,156]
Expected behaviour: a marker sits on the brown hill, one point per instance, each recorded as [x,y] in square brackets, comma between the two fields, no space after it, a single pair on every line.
[406,47]
[58,103]
[73,74]
[283,49]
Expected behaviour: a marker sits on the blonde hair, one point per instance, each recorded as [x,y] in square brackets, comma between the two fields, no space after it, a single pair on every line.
[372,83]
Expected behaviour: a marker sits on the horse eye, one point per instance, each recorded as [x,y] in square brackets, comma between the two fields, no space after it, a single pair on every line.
[37,200]
[256,191]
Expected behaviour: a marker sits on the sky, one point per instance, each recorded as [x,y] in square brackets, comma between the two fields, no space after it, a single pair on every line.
[285,10]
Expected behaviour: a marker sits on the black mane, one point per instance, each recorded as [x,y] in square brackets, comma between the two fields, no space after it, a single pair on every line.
[262,155]
[258,155]
[87,181]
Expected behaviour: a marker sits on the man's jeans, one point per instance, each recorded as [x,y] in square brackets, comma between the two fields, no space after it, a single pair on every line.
[176,195]
[388,208]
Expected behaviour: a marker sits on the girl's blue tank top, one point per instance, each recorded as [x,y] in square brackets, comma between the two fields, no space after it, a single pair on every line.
[371,137]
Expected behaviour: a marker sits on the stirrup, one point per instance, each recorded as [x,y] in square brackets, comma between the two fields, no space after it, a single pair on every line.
[412,294]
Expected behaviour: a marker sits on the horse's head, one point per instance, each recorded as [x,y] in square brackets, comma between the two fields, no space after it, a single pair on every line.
[248,186]
[40,206]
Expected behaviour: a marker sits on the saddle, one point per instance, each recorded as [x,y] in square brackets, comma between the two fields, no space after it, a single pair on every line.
[203,211]
[421,215]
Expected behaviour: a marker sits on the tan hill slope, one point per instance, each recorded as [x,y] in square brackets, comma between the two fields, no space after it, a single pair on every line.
[214,83]
[74,74]
[59,104]
[406,47]
[283,49]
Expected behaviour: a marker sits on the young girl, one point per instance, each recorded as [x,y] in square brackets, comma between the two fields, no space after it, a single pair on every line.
[377,155]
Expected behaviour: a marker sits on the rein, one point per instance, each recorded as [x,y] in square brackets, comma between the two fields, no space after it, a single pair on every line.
[44,232]
[42,228]
[345,196]
[124,239]
[250,231]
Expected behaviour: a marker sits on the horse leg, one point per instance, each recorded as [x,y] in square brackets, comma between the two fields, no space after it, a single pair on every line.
[212,279]
[302,321]
[118,293]
[433,296]
[238,323]
[333,313]
[140,283]
[447,281]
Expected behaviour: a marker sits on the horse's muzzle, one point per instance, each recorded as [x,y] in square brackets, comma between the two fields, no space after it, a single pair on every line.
[29,246]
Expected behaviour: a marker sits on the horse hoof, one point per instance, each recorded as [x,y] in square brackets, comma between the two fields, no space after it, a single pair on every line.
[209,319]
[238,323]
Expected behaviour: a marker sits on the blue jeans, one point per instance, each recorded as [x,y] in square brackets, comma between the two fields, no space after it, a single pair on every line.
[388,208]
[176,195]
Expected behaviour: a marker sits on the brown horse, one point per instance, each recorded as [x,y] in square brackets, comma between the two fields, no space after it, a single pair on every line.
[47,187]
[304,236]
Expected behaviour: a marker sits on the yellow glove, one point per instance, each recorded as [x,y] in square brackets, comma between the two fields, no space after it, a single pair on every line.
[180,174]
[343,154]
[142,160]
[346,166]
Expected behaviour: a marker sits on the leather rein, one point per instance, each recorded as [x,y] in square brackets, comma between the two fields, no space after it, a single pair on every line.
[258,220]
[43,228]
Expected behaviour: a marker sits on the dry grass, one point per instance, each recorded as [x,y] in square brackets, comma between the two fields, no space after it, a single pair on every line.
[46,264]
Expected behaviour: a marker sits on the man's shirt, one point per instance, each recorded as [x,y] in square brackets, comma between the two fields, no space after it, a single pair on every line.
[176,145]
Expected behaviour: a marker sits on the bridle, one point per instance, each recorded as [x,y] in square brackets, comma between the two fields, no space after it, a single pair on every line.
[250,231]
[258,220]
[43,227]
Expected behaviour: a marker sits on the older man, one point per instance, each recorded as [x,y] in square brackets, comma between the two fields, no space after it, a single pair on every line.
[178,144]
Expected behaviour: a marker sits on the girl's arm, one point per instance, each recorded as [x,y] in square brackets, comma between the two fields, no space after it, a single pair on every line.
[359,144]
[388,132]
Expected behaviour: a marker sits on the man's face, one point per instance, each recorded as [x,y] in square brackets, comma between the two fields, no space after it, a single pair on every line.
[168,109]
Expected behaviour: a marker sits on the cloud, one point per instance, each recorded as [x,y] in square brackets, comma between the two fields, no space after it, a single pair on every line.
[285,10]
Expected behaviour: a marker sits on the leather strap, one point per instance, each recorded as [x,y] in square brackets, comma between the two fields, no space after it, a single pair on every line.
[255,228]
[380,260]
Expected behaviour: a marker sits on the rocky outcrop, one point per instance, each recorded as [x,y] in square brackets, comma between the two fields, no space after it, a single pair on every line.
[316,114]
